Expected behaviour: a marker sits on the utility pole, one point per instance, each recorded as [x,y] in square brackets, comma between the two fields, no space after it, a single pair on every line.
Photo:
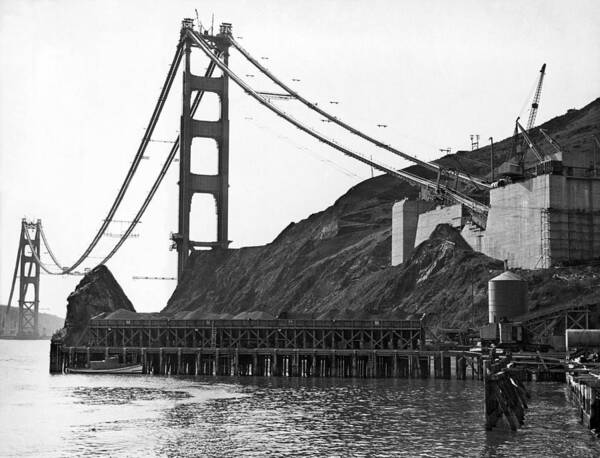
[492,157]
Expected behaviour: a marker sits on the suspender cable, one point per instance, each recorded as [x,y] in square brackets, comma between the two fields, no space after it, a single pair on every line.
[431,166]
[137,159]
[467,201]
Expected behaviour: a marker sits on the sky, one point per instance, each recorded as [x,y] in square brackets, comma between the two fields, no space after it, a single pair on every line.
[80,78]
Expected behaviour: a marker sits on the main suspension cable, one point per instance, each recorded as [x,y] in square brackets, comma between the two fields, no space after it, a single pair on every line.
[431,166]
[470,203]
[133,168]
[163,171]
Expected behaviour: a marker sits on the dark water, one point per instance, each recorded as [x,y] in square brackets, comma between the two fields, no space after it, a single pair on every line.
[80,415]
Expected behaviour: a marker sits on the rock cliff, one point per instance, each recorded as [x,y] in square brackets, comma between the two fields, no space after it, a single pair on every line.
[97,292]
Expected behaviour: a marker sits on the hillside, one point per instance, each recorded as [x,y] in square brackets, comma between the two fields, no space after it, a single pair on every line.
[336,263]
[48,323]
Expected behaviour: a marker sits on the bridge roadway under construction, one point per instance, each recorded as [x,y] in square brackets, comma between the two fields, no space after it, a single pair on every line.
[294,348]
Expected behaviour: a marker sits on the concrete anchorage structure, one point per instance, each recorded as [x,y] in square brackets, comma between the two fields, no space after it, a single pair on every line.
[550,218]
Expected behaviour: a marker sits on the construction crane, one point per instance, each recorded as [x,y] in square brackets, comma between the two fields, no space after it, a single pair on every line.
[552,142]
[530,144]
[536,99]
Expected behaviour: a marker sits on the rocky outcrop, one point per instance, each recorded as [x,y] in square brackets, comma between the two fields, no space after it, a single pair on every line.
[97,293]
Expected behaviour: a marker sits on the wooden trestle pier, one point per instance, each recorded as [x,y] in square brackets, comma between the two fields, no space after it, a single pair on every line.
[295,348]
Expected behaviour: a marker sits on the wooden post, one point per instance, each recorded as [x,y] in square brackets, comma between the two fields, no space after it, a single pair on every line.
[446,367]
[461,368]
[294,364]
[274,365]
[424,366]
[236,363]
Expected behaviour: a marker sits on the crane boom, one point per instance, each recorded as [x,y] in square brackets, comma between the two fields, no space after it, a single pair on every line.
[529,142]
[552,142]
[536,99]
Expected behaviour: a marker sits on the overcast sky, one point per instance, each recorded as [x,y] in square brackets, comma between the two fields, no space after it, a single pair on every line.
[80,78]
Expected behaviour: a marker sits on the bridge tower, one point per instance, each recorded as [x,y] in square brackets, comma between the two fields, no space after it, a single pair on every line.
[191,183]
[29,280]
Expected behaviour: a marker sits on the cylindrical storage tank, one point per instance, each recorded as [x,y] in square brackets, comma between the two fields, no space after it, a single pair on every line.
[507,295]
[582,338]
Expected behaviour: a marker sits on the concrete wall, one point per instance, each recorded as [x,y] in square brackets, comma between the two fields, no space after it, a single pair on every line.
[514,225]
[574,218]
[428,221]
[535,223]
[543,221]
[405,216]
[473,235]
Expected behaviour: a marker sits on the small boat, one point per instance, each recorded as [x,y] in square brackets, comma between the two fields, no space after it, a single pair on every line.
[107,366]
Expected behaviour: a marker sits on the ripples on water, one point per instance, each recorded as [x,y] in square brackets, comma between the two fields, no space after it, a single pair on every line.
[82,415]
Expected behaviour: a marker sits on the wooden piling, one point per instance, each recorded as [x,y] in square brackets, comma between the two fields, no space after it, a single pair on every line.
[505,397]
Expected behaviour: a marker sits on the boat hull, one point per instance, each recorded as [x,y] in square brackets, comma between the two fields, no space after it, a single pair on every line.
[133,369]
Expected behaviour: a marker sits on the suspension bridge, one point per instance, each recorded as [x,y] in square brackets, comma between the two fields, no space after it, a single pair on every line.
[449,185]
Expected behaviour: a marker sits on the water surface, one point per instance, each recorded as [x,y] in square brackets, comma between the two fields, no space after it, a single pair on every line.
[103,415]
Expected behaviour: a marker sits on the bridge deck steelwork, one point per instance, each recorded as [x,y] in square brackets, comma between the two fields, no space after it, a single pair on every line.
[256,334]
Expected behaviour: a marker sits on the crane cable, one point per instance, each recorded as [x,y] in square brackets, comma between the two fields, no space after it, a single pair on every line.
[431,166]
[467,201]
[137,159]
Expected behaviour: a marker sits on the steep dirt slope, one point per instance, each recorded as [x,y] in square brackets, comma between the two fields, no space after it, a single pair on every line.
[336,263]
[307,267]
